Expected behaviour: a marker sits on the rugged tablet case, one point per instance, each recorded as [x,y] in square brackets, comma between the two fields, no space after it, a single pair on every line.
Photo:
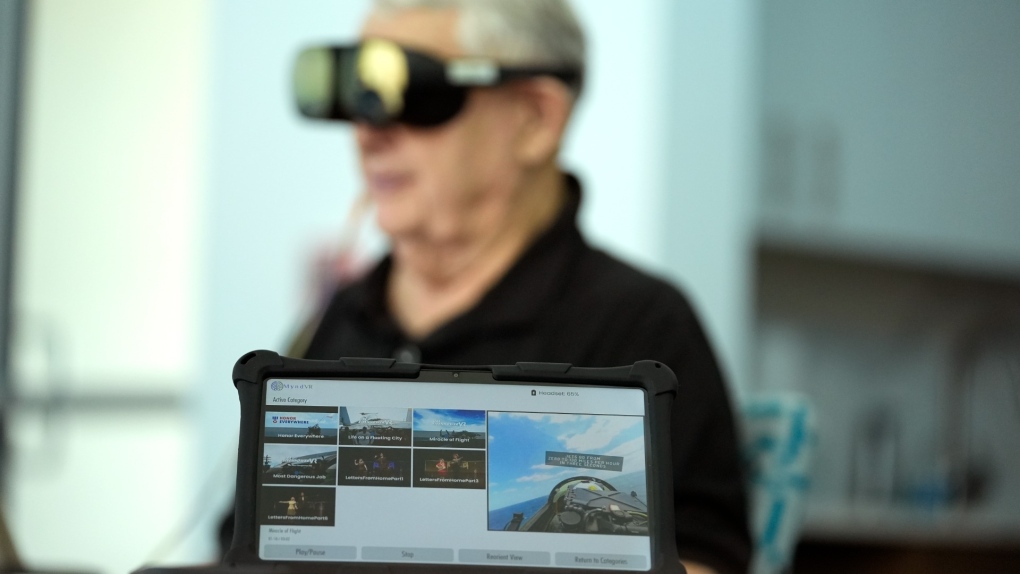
[655,378]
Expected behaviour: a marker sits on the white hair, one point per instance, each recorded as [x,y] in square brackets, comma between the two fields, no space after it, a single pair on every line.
[514,32]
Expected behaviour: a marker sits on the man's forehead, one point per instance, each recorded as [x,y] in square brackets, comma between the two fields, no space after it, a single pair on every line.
[430,30]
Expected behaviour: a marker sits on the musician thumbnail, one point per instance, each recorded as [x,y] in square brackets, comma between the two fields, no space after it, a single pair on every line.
[298,464]
[449,468]
[305,426]
[368,466]
[449,428]
[375,426]
[298,505]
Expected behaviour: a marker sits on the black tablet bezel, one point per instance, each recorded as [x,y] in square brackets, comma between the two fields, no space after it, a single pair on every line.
[253,369]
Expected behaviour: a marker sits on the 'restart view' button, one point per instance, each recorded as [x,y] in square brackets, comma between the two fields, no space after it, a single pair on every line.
[504,557]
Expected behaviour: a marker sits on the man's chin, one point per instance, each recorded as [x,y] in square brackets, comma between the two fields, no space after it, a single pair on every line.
[397,221]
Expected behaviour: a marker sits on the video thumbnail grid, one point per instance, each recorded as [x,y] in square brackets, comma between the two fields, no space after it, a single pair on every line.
[542,472]
[373,446]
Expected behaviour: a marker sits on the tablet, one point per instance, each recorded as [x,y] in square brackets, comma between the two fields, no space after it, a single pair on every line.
[375,465]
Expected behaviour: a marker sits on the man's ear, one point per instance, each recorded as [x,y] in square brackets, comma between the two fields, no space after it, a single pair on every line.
[547,104]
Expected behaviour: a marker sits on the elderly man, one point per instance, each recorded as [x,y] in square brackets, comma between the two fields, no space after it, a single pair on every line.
[487,263]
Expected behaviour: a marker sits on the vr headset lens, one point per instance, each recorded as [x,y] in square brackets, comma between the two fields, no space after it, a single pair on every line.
[380,82]
[314,82]
[377,82]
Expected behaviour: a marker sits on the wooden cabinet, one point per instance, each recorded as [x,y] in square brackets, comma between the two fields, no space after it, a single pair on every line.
[888,261]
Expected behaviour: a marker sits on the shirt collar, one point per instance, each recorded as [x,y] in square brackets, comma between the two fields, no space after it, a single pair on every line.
[520,297]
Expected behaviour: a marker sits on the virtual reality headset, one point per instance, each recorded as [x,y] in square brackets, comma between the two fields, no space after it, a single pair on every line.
[381,83]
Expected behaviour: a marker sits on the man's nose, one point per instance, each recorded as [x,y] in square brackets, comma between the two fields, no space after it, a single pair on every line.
[374,138]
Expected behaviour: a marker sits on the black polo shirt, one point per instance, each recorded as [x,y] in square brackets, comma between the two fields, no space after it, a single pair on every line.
[566,302]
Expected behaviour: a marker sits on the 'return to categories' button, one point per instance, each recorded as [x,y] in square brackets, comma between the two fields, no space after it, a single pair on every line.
[606,561]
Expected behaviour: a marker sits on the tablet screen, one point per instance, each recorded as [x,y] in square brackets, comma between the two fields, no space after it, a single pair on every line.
[480,473]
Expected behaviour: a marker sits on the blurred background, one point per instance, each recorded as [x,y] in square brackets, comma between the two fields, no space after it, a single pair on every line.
[835,184]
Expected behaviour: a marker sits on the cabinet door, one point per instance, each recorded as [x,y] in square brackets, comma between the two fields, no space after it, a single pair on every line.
[892,127]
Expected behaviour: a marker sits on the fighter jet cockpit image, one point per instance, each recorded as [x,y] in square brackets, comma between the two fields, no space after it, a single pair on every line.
[586,505]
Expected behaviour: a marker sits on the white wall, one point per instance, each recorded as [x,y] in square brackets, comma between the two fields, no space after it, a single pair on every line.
[709,157]
[106,279]
[111,178]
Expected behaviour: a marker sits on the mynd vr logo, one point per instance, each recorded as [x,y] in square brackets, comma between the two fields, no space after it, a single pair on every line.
[279,386]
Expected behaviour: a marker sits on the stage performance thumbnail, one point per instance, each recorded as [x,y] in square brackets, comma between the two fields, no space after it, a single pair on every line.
[449,468]
[297,505]
[366,466]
